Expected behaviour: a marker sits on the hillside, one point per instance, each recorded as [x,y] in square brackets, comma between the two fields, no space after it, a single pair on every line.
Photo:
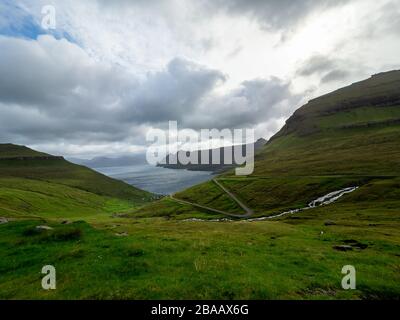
[354,130]
[32,182]
[350,137]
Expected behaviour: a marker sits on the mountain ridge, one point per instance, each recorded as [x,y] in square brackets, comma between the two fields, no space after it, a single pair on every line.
[10,150]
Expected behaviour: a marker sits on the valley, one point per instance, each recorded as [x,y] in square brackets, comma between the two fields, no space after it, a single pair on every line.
[110,240]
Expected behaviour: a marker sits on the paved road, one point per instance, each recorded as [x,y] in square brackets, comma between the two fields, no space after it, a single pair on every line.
[248,211]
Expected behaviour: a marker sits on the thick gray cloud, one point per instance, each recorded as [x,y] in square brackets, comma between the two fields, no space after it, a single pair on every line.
[171,94]
[52,90]
[316,64]
[50,74]
[270,14]
[256,101]
[329,69]
[274,14]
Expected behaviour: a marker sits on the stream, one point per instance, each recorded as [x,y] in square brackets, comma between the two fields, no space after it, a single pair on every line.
[321,201]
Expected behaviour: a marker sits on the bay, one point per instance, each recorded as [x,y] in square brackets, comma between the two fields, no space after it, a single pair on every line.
[156,179]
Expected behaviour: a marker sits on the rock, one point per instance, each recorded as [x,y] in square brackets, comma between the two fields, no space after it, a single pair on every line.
[44,228]
[361,246]
[3,220]
[355,244]
[122,234]
[65,222]
[329,223]
[343,248]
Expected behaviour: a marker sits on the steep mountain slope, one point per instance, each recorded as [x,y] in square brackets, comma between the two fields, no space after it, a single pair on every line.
[354,130]
[350,137]
[32,182]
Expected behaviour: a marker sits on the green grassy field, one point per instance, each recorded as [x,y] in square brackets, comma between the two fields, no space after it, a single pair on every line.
[122,245]
[169,259]
[25,197]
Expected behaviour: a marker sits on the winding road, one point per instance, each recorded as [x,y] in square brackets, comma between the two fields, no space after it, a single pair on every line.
[329,198]
[249,212]
[208,208]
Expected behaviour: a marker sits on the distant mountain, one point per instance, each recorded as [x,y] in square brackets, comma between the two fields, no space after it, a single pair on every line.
[104,162]
[172,161]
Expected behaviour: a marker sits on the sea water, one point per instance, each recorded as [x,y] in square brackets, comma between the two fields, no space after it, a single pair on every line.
[156,179]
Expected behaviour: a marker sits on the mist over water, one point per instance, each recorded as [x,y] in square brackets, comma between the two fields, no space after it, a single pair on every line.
[156,179]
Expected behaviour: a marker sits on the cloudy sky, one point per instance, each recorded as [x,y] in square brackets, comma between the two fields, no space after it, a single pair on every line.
[112,70]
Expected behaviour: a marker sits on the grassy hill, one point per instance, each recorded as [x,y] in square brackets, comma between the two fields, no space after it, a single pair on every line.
[32,182]
[354,130]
